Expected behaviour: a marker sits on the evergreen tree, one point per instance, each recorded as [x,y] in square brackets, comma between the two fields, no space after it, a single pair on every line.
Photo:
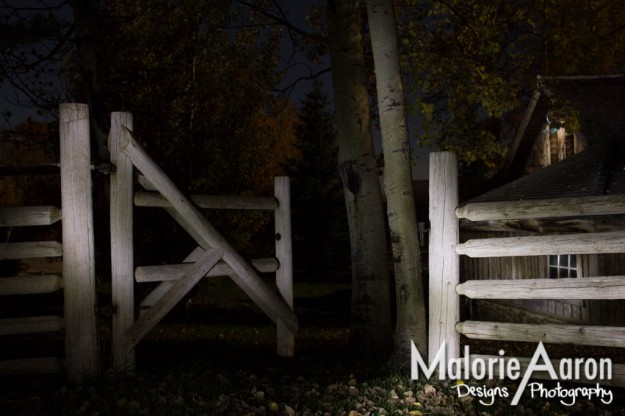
[318,213]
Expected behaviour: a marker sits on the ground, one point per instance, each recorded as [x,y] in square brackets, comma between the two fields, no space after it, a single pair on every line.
[215,355]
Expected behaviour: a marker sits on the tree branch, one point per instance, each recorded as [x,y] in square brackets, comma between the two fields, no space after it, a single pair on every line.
[282,19]
[301,79]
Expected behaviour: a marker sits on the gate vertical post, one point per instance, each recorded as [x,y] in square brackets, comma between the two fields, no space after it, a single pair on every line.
[444,267]
[122,254]
[284,254]
[82,347]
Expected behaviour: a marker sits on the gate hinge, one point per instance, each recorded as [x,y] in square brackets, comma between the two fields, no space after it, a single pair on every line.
[104,168]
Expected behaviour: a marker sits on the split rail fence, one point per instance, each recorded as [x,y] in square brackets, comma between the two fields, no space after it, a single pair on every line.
[213,257]
[444,272]
[79,321]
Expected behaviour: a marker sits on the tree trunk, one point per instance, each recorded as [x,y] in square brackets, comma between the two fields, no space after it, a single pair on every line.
[402,221]
[93,90]
[371,319]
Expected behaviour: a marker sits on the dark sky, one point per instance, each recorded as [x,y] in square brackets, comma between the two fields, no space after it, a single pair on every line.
[296,10]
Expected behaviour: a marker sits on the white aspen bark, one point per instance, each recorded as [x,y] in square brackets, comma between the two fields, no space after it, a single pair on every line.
[402,221]
[371,318]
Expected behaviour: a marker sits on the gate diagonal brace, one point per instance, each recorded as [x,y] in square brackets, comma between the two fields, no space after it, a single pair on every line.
[192,220]
[164,286]
[177,291]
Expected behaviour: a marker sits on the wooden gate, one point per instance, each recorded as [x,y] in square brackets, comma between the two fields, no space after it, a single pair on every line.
[214,256]
[445,287]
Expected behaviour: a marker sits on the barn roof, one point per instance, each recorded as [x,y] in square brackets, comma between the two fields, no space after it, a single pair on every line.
[599,170]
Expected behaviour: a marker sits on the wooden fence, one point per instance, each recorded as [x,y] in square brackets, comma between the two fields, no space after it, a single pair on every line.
[444,279]
[213,257]
[82,357]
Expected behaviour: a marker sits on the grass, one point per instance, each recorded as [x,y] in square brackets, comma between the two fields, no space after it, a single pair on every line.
[216,356]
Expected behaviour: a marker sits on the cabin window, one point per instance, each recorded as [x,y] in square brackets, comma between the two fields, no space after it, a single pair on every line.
[563,266]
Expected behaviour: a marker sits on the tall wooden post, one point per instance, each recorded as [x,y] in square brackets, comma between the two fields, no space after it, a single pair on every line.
[284,254]
[122,257]
[443,260]
[82,355]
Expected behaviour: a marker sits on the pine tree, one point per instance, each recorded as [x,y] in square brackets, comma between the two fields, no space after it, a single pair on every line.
[318,212]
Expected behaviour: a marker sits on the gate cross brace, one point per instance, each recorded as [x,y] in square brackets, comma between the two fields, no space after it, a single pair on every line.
[176,292]
[192,220]
[164,286]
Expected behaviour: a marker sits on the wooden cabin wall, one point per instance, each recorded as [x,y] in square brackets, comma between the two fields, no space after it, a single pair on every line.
[533,267]
[608,312]
[500,267]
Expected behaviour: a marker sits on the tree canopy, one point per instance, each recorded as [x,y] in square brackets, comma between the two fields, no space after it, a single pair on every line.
[470,65]
[199,77]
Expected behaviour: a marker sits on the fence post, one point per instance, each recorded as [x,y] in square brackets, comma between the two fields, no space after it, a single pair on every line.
[443,260]
[82,355]
[284,254]
[122,255]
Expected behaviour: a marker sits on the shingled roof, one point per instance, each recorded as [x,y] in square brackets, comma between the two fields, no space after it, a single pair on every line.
[599,170]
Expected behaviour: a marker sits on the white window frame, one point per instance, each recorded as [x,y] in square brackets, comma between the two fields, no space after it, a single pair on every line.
[564,266]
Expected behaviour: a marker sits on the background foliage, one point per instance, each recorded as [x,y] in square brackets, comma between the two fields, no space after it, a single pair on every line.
[470,66]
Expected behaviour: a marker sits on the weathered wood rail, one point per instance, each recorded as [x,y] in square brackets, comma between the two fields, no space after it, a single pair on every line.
[29,216]
[608,287]
[590,243]
[538,209]
[82,357]
[213,257]
[445,249]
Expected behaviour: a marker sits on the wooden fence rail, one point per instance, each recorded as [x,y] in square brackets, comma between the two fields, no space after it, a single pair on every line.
[29,216]
[610,287]
[176,271]
[538,209]
[30,249]
[587,243]
[154,199]
[602,336]
[26,285]
[31,325]
[445,284]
